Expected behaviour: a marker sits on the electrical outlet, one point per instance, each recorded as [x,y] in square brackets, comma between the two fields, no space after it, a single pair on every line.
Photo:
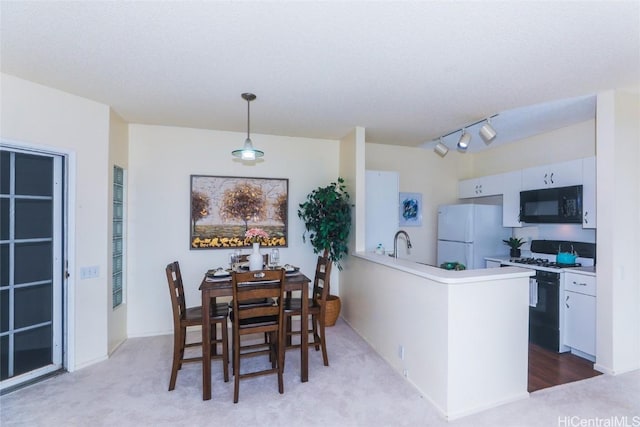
[89,272]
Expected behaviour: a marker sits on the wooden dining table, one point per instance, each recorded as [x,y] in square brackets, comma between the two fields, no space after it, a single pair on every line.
[213,287]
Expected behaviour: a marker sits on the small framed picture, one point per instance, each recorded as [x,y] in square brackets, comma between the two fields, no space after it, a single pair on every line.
[410,209]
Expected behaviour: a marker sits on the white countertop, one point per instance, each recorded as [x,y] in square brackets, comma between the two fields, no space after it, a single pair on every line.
[446,276]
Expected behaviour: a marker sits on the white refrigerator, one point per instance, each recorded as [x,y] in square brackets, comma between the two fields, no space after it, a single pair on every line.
[468,233]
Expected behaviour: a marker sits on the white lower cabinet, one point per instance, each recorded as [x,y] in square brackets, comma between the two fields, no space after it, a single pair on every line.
[580,312]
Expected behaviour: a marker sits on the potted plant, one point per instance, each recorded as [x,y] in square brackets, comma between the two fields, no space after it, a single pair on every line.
[514,243]
[327,219]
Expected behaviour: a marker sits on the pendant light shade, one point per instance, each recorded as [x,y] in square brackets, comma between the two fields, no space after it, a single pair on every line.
[247,152]
[487,132]
[464,140]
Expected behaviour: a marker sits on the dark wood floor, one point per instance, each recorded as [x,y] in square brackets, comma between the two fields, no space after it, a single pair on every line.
[548,368]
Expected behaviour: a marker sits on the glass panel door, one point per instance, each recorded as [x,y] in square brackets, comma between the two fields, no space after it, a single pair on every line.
[31,265]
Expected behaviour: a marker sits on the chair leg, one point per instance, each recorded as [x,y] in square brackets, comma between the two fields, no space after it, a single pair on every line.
[323,342]
[281,351]
[178,350]
[236,366]
[214,338]
[225,350]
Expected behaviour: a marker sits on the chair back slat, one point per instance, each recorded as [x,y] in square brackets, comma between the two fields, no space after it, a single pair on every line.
[176,289]
[322,279]
[250,286]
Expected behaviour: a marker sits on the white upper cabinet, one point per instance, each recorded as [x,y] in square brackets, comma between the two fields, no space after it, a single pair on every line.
[554,175]
[506,184]
[490,185]
[589,192]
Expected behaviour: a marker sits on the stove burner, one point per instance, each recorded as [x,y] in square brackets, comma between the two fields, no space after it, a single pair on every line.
[541,262]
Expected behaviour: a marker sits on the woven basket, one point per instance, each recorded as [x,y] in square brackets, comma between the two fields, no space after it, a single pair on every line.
[332,310]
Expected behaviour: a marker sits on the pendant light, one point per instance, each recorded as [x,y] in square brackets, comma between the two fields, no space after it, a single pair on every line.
[247,152]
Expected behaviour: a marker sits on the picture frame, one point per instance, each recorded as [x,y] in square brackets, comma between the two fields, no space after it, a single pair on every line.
[410,206]
[223,208]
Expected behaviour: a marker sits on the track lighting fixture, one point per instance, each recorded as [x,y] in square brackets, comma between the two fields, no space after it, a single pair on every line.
[487,132]
[441,149]
[247,152]
[463,142]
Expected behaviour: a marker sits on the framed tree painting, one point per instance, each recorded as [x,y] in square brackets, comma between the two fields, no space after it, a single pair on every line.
[223,208]
[410,209]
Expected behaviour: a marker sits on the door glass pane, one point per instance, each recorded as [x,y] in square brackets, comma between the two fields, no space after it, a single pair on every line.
[34,175]
[5,171]
[4,357]
[34,218]
[33,262]
[4,264]
[4,311]
[32,349]
[33,305]
[4,219]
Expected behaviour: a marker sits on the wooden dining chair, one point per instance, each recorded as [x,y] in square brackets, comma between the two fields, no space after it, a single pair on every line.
[252,318]
[317,310]
[184,317]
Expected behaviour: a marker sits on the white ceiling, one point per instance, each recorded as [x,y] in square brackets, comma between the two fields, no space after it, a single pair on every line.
[406,71]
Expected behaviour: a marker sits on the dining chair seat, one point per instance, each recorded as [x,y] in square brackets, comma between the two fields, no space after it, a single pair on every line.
[193,315]
[185,317]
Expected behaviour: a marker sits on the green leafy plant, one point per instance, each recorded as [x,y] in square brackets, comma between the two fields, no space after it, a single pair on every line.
[327,218]
[514,242]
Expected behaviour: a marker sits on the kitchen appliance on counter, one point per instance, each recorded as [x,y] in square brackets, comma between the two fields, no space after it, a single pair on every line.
[467,233]
[546,314]
[562,205]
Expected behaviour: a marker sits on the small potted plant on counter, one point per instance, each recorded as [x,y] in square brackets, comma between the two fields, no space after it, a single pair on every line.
[514,243]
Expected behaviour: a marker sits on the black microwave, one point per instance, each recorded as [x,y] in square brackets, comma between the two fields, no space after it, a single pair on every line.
[562,205]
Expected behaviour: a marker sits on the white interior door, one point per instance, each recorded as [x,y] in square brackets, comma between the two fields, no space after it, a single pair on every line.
[31,273]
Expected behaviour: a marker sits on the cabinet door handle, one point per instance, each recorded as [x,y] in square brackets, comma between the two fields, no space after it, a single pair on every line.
[545,178]
[551,179]
[586,220]
[566,301]
[579,284]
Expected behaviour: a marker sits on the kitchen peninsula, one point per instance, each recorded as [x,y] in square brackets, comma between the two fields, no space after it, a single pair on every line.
[460,337]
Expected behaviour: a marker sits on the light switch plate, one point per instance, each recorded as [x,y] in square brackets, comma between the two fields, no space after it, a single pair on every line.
[89,272]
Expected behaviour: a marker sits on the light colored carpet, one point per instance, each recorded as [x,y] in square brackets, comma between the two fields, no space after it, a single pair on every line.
[357,389]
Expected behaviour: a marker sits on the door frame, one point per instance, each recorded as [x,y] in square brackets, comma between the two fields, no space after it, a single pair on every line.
[69,242]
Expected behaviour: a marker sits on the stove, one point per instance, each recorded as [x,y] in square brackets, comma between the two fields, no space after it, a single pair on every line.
[543,262]
[546,313]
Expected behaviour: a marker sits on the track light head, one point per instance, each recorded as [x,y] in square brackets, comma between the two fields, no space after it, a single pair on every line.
[441,149]
[463,142]
[487,132]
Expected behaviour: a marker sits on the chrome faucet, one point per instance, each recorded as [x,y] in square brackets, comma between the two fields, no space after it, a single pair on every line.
[395,242]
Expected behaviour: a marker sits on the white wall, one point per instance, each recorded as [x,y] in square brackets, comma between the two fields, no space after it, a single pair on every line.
[161,160]
[618,204]
[421,171]
[42,116]
[568,143]
[118,155]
